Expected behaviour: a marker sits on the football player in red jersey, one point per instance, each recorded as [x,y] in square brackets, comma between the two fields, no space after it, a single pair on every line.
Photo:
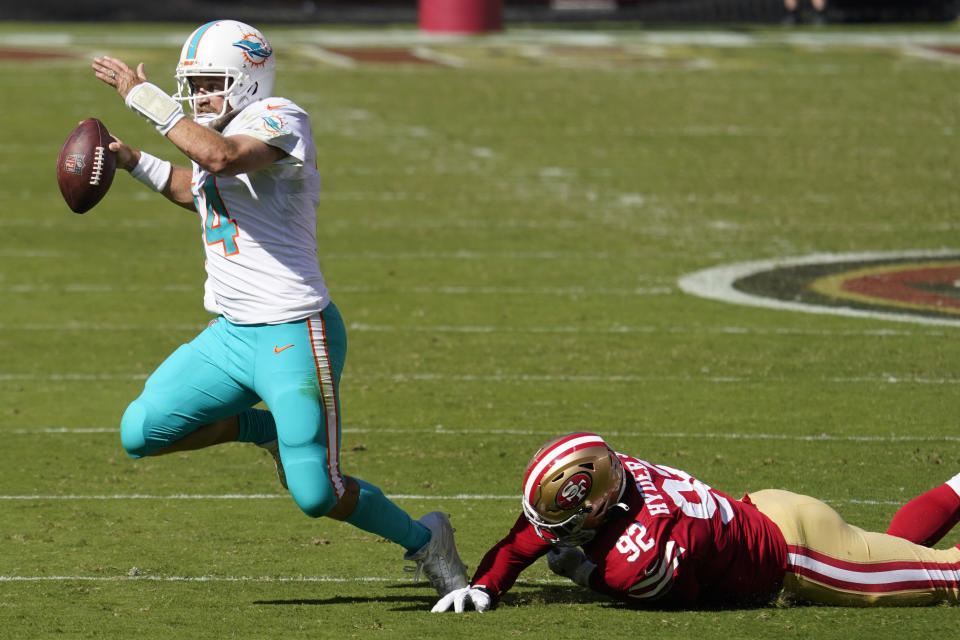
[652,535]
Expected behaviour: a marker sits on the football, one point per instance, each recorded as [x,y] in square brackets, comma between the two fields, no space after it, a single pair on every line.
[86,165]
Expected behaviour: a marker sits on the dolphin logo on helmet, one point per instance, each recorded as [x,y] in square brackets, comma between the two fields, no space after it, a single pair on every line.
[255,48]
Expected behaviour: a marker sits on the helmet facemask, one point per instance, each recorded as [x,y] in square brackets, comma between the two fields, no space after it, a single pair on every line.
[569,532]
[569,487]
[186,92]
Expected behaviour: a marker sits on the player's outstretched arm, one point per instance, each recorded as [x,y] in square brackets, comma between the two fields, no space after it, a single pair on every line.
[218,154]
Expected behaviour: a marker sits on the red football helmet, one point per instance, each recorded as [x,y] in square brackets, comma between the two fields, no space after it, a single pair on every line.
[570,484]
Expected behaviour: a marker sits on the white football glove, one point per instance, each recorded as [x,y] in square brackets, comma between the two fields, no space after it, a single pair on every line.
[570,562]
[476,597]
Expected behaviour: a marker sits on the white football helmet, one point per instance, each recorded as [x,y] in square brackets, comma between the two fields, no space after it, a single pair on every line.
[572,482]
[237,52]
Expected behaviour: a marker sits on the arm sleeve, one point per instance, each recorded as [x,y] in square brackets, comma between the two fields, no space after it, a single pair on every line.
[503,563]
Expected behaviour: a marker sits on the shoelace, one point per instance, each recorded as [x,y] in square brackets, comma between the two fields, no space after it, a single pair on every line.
[417,570]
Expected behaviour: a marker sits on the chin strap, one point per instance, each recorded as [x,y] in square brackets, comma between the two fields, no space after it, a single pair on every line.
[151,102]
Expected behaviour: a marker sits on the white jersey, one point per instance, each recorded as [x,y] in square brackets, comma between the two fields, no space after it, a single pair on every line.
[259,228]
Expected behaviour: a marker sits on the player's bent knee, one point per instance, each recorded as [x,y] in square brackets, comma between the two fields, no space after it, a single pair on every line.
[312,491]
[313,504]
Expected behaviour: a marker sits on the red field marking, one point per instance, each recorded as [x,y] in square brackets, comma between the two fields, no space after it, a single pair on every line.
[906,286]
[381,56]
[27,55]
[953,51]
[903,286]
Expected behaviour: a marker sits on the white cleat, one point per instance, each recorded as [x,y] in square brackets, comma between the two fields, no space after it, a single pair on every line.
[438,559]
[274,450]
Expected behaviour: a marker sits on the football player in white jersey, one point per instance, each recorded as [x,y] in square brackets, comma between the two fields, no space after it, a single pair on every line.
[254,183]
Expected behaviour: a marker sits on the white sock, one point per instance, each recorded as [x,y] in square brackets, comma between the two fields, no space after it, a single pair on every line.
[954,484]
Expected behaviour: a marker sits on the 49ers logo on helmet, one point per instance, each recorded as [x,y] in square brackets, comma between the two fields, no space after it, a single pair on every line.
[574,491]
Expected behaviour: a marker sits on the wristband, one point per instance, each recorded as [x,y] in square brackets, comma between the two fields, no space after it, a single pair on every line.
[152,171]
[151,102]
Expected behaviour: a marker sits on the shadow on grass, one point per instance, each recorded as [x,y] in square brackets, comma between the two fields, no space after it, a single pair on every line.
[414,601]
[523,594]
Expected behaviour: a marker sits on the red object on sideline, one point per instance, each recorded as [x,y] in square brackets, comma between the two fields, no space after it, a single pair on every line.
[461,16]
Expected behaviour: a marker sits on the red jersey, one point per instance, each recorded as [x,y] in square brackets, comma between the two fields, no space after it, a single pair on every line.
[679,543]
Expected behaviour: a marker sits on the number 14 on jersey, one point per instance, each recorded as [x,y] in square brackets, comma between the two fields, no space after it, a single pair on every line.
[217,225]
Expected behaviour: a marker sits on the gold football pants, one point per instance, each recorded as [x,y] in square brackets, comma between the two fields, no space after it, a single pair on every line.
[835,563]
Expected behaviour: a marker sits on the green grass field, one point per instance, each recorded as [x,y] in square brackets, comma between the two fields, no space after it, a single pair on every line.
[503,234]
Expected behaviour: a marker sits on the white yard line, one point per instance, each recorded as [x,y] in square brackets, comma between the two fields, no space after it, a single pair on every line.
[887,378]
[929,53]
[230,496]
[670,435]
[461,255]
[360,327]
[155,578]
[87,288]
[135,575]
[318,36]
[326,56]
[437,57]
[284,496]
